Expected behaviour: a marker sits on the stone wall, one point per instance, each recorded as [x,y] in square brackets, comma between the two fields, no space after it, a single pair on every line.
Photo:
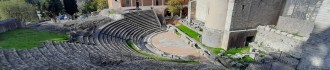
[201,10]
[9,24]
[248,14]
[212,37]
[280,41]
[302,9]
[322,19]
[238,39]
[294,25]
[313,51]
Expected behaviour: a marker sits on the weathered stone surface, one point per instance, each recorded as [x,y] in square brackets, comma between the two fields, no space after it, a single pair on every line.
[278,31]
[293,25]
[279,42]
[248,14]
[212,37]
[238,39]
[290,35]
[302,9]
[284,33]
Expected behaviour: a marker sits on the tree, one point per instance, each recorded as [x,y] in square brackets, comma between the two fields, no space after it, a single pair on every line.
[70,7]
[52,8]
[87,7]
[17,9]
[175,6]
[101,4]
[33,2]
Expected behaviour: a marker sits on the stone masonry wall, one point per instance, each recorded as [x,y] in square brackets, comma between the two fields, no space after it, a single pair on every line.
[280,41]
[212,37]
[9,24]
[302,9]
[238,39]
[294,25]
[248,14]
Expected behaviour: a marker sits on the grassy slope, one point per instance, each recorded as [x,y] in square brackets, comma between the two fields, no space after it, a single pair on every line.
[237,50]
[27,38]
[189,32]
[214,50]
[132,45]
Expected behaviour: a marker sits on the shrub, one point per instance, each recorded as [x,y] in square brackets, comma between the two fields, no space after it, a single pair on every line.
[248,59]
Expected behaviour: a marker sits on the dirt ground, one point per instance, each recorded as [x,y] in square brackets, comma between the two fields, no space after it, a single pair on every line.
[171,43]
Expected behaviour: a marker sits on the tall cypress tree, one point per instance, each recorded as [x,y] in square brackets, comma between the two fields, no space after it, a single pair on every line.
[70,7]
[52,8]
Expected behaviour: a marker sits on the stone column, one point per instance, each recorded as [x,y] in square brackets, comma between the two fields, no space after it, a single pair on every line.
[131,3]
[152,3]
[163,2]
[189,12]
[142,3]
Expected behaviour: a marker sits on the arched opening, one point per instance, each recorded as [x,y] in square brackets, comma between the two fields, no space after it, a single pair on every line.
[184,12]
[167,13]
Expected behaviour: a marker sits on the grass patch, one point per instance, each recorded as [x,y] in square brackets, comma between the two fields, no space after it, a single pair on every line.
[248,59]
[189,32]
[28,38]
[112,12]
[214,50]
[297,34]
[237,50]
[134,47]
[198,47]
[262,52]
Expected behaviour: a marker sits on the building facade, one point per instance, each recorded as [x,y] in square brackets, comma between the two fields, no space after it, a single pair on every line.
[232,23]
[160,6]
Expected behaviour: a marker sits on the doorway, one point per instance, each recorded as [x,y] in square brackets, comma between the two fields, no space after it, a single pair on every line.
[248,40]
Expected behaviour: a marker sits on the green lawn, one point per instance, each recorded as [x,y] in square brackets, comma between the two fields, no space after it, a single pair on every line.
[214,50]
[134,47]
[27,38]
[237,50]
[248,59]
[112,12]
[189,32]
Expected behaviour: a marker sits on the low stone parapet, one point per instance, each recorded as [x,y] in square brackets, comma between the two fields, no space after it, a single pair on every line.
[268,36]
[9,24]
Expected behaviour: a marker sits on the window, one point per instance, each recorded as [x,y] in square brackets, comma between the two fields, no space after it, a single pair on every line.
[128,3]
[157,2]
[249,40]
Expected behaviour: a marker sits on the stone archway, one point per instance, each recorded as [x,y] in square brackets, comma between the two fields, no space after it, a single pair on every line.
[184,12]
[167,13]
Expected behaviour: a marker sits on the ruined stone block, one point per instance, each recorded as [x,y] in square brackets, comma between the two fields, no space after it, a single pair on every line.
[284,33]
[267,28]
[278,31]
[289,35]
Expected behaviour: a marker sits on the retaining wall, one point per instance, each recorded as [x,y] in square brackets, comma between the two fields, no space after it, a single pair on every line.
[280,40]
[9,24]
[294,25]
